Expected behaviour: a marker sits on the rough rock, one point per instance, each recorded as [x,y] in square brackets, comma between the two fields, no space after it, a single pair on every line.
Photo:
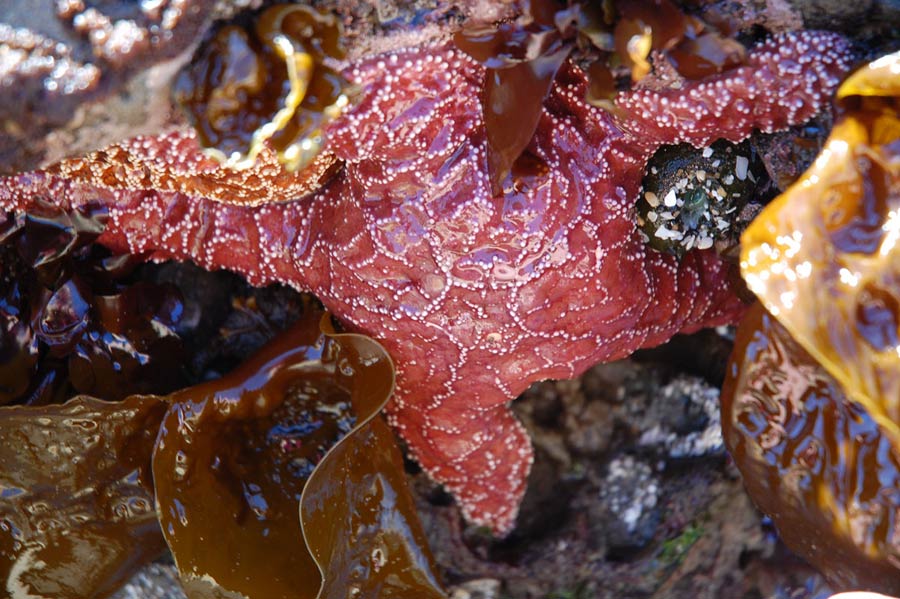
[78,74]
[628,512]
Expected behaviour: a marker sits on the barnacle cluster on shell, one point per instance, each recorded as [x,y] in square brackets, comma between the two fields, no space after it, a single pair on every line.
[691,198]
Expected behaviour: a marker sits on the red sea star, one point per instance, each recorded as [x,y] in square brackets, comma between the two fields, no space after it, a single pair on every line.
[475,297]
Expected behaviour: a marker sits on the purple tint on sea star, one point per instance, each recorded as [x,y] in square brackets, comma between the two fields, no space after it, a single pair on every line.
[474,296]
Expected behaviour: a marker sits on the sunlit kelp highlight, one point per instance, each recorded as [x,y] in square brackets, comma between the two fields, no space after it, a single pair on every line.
[813,400]
[824,258]
[812,459]
[266,84]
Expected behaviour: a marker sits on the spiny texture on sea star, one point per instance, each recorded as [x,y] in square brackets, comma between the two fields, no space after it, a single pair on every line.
[474,296]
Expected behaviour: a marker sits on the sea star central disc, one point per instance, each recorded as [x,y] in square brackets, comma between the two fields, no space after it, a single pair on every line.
[474,296]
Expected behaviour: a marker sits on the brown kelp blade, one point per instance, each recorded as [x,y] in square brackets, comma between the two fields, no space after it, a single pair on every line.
[815,461]
[513,102]
[76,497]
[359,519]
[522,63]
[234,456]
[824,257]
[251,90]
[70,320]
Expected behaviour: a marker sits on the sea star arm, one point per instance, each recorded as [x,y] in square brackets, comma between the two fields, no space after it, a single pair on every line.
[785,81]
[474,296]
